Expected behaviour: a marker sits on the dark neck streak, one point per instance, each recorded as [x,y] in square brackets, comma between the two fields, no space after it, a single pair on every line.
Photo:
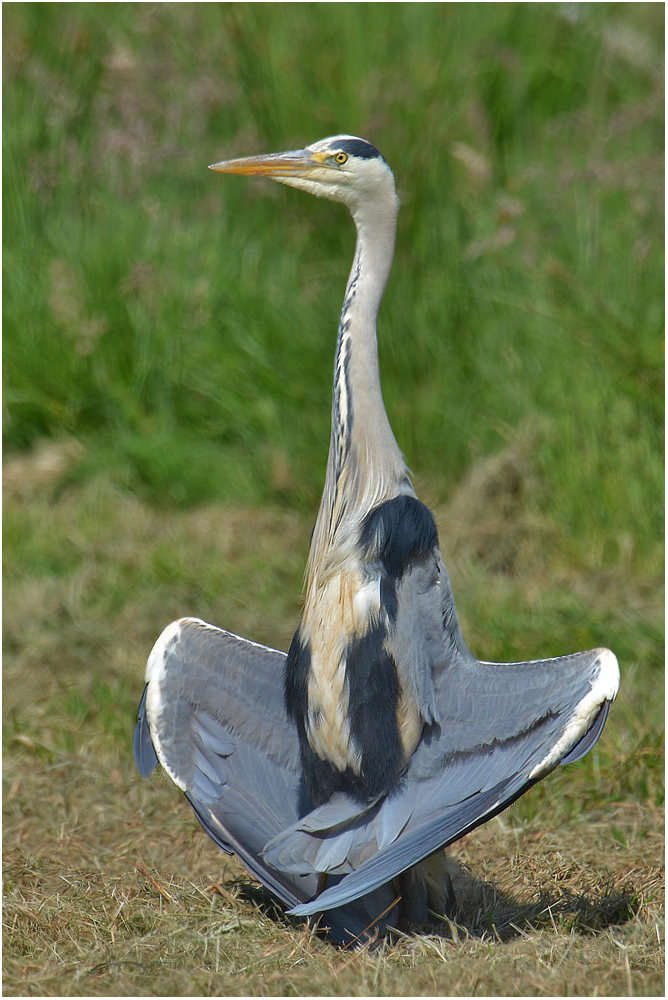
[342,403]
[365,465]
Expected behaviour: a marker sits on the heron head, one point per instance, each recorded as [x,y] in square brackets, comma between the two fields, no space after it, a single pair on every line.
[342,168]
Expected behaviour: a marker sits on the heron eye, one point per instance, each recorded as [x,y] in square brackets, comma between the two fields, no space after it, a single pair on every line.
[340,157]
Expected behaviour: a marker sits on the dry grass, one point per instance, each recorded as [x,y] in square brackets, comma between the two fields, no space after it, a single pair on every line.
[558,912]
[111,888]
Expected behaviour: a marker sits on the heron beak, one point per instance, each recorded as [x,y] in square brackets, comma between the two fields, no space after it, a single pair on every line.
[298,163]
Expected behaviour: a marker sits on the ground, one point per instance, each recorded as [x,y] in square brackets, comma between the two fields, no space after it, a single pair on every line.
[111,887]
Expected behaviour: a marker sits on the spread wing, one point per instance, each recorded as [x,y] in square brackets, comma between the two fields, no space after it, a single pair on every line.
[213,715]
[503,727]
[497,729]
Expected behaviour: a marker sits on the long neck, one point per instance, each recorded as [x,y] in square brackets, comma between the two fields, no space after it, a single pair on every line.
[365,465]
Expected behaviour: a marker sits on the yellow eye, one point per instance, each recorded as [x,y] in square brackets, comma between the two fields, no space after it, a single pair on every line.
[340,157]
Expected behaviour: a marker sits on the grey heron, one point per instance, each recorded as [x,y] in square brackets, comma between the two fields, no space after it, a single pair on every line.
[340,772]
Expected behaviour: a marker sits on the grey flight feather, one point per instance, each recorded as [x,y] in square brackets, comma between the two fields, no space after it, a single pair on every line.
[216,716]
[143,751]
[500,725]
[473,783]
[213,710]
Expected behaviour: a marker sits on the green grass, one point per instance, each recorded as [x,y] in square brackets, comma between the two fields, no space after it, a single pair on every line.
[168,349]
[184,323]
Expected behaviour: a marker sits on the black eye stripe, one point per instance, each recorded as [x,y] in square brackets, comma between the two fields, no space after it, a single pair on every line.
[361,148]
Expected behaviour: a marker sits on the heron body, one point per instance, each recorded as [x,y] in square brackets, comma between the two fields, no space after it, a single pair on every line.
[379,739]
[356,707]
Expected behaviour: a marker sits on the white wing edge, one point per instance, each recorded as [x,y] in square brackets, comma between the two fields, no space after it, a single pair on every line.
[604,689]
[155,675]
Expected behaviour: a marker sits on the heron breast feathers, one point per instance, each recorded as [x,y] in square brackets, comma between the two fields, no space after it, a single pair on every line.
[341,611]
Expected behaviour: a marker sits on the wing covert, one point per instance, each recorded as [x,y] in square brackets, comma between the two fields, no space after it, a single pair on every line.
[213,710]
[457,780]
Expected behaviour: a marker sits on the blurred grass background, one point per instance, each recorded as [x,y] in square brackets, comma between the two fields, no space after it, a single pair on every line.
[169,337]
[182,325]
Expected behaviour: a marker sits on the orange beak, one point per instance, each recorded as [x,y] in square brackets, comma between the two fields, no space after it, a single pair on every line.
[298,163]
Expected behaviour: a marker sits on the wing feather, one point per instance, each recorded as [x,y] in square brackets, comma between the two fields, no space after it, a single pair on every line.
[454,784]
[144,754]
[212,713]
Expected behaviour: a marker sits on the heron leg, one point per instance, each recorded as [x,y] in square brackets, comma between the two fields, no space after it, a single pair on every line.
[428,886]
[402,922]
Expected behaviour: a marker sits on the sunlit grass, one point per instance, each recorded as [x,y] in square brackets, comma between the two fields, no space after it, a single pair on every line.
[184,323]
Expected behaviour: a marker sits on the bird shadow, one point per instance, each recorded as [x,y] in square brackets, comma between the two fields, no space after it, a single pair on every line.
[485,911]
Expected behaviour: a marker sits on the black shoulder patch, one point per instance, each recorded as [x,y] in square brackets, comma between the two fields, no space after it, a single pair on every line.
[397,532]
[388,596]
[319,779]
[373,697]
[361,148]
[373,692]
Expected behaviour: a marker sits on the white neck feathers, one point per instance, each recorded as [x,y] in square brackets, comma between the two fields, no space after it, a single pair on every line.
[365,466]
